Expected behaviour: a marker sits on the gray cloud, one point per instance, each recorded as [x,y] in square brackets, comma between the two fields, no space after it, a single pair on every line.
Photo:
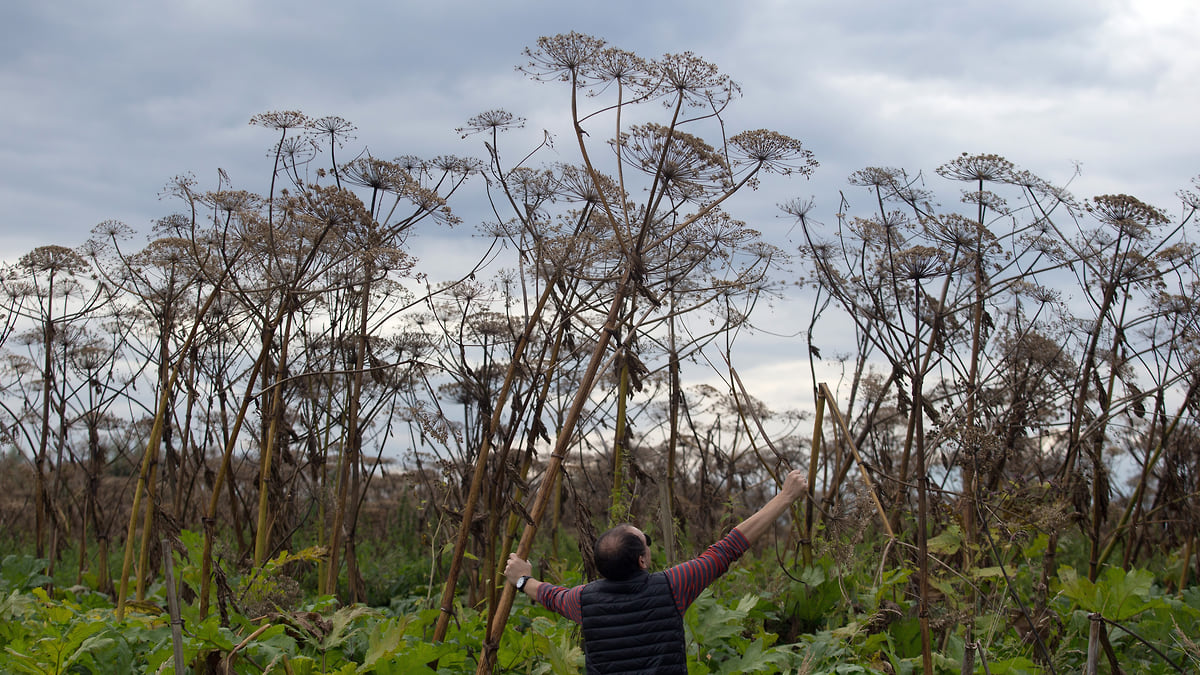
[105,103]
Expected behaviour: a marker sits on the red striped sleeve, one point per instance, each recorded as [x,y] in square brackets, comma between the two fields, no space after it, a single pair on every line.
[689,578]
[561,600]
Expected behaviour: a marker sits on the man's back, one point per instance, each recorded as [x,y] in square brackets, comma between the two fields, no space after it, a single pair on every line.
[632,626]
[632,620]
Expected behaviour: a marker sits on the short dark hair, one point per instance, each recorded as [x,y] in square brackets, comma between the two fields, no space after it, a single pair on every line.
[617,552]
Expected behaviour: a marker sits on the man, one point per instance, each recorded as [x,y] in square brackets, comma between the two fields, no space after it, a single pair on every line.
[633,620]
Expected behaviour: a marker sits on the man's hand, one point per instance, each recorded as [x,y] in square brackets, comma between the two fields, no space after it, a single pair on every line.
[794,485]
[517,568]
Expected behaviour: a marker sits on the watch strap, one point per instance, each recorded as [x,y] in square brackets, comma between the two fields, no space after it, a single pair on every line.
[522,581]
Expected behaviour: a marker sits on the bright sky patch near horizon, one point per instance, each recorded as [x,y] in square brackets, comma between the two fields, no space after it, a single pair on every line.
[105,102]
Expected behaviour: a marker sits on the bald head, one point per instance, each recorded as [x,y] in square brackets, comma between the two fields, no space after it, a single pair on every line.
[619,551]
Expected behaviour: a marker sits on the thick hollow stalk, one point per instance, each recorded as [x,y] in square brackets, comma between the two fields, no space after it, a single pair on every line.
[151,446]
[464,531]
[92,501]
[813,462]
[827,397]
[1092,667]
[173,607]
[918,414]
[549,479]
[547,365]
[617,511]
[667,489]
[275,407]
[351,441]
[1139,492]
[969,469]
[210,519]
[143,568]
[41,512]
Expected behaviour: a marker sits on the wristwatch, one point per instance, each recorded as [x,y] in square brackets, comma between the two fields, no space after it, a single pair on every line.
[522,581]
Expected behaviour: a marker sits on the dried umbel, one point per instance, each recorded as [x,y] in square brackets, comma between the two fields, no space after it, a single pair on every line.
[333,129]
[1190,198]
[959,232]
[447,165]
[690,80]
[281,120]
[530,189]
[894,185]
[986,199]
[54,259]
[921,262]
[567,57]
[576,184]
[1176,253]
[773,152]
[798,208]
[978,168]
[880,178]
[977,447]
[376,174]
[847,523]
[492,122]
[113,229]
[1038,293]
[1042,237]
[165,252]
[886,232]
[90,355]
[334,207]
[296,150]
[232,201]
[1129,215]
[624,68]
[688,167]
[1039,188]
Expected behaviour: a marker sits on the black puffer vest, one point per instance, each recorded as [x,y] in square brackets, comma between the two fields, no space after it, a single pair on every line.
[632,627]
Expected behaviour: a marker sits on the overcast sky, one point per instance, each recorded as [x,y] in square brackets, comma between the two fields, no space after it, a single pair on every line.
[103,102]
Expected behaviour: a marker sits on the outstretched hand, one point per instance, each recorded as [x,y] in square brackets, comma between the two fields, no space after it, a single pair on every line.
[794,485]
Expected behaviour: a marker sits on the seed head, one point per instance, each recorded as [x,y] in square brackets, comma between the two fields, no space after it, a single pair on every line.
[798,208]
[774,152]
[694,80]
[376,174]
[1190,198]
[876,177]
[985,198]
[1128,214]
[921,262]
[55,259]
[281,120]
[978,168]
[624,67]
[958,232]
[564,57]
[333,128]
[491,121]
[689,166]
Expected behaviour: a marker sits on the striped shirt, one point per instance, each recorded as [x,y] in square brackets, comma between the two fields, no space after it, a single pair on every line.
[687,579]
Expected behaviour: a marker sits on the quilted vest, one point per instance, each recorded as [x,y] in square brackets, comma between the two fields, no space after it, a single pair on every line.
[632,627]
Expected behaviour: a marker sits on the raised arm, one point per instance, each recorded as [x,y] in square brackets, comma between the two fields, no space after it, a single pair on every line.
[793,488]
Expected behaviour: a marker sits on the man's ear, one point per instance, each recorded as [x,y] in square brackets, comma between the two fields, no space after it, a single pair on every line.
[644,560]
